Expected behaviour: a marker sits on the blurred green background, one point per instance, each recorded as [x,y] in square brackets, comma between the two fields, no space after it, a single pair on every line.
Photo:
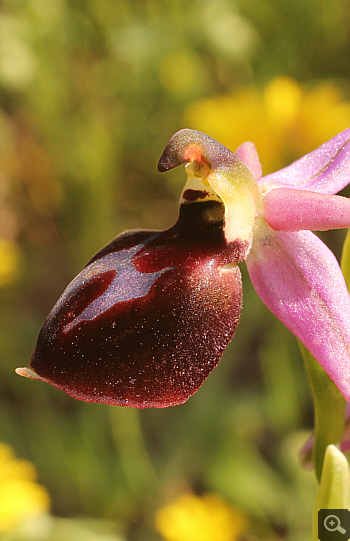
[91,92]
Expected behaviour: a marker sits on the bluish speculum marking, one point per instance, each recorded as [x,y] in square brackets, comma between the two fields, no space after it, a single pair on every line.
[128,283]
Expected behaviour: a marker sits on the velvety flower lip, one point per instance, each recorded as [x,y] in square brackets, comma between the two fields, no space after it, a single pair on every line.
[149,317]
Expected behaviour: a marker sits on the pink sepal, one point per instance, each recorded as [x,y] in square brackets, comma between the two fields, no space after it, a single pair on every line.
[249,155]
[287,209]
[300,281]
[324,170]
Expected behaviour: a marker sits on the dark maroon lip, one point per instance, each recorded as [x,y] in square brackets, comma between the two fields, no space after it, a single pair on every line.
[148,318]
[140,351]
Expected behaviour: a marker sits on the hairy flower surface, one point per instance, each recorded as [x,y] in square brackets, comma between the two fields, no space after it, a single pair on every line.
[149,317]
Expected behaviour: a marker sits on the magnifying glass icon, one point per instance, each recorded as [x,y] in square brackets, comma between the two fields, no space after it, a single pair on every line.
[332,524]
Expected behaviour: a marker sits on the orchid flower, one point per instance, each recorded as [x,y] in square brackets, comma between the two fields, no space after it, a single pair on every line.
[150,315]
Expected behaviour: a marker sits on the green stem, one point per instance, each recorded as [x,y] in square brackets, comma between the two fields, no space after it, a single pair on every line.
[133,455]
[329,406]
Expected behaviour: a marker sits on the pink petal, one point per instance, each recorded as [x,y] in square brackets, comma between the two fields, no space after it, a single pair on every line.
[324,170]
[249,155]
[299,280]
[287,209]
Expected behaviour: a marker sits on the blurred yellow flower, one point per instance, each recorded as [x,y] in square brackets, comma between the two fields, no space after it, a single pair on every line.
[9,261]
[206,518]
[20,496]
[285,120]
